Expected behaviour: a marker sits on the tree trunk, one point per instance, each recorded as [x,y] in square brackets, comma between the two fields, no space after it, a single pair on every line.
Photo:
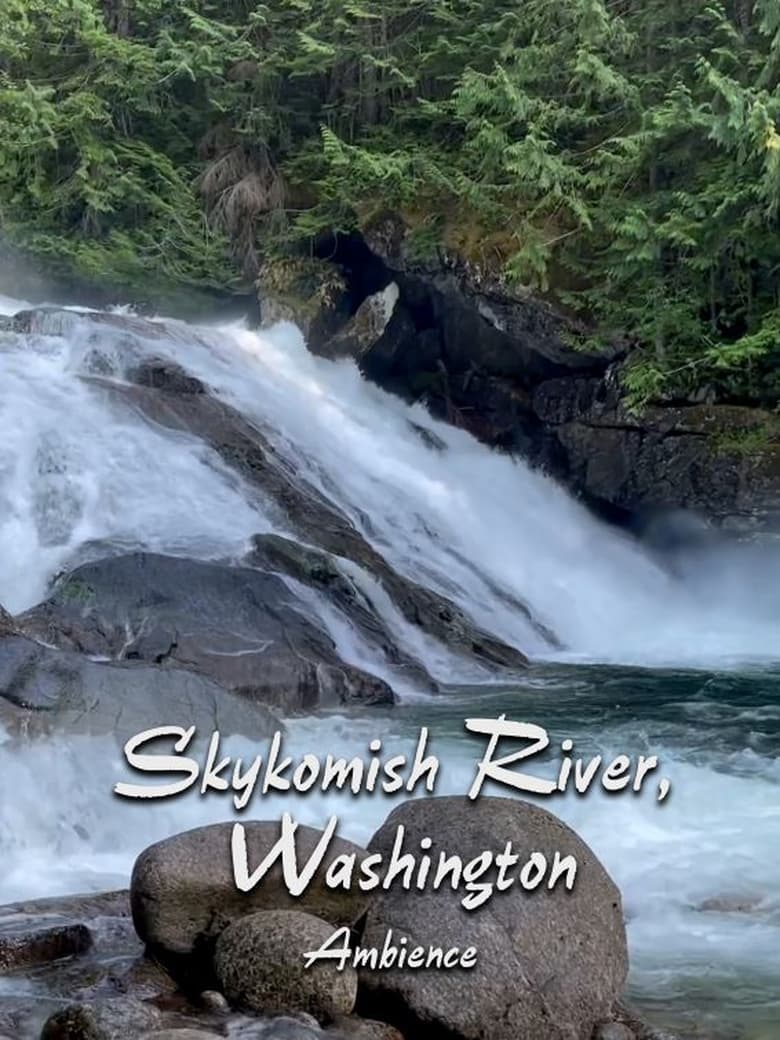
[117,16]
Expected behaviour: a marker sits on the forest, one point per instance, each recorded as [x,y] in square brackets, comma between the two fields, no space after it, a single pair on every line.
[619,157]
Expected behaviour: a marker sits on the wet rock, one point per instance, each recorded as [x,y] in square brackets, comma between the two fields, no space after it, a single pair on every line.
[44,690]
[293,1027]
[237,626]
[626,1016]
[365,329]
[37,932]
[260,963]
[181,1034]
[731,904]
[142,979]
[669,457]
[351,1027]
[422,607]
[614,1031]
[85,907]
[550,965]
[7,623]
[183,891]
[120,1019]
[165,375]
[428,437]
[214,1001]
[310,294]
[326,573]
[302,508]
[25,943]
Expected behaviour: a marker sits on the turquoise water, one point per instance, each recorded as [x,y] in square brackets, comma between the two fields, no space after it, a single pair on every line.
[715,841]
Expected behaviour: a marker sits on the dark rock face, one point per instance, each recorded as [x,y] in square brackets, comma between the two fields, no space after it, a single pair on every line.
[44,690]
[550,965]
[671,457]
[183,892]
[236,626]
[498,363]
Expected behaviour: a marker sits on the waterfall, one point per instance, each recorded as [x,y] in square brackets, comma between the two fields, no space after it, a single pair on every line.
[463,520]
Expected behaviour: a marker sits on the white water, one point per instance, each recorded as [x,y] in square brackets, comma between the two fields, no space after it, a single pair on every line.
[467,521]
[470,523]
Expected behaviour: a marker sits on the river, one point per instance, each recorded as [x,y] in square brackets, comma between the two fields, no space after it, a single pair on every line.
[682,662]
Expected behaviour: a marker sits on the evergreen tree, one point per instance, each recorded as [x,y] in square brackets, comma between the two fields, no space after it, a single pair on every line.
[622,156]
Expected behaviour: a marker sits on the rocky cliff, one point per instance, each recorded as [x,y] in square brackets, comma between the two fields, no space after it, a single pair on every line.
[504,365]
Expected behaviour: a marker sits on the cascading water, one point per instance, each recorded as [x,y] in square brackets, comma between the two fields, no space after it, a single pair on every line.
[75,469]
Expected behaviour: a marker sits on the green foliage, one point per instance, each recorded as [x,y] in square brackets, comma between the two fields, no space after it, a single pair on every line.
[622,156]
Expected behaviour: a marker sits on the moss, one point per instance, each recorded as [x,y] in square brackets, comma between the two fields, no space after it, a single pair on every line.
[307,284]
[748,440]
[74,590]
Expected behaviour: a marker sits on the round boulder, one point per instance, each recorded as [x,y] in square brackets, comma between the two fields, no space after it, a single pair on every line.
[183,891]
[550,962]
[260,963]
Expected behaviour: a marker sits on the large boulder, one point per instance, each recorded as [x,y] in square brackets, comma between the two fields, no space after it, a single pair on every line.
[183,891]
[44,690]
[260,963]
[550,963]
[240,627]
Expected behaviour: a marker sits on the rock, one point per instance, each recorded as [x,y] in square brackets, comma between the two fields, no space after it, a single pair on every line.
[315,520]
[730,904]
[37,932]
[183,891]
[181,1034]
[43,690]
[7,623]
[259,961]
[143,979]
[502,362]
[165,375]
[329,575]
[310,294]
[669,457]
[365,329]
[627,1017]
[614,1031]
[86,907]
[293,1027]
[237,626]
[351,1027]
[25,943]
[214,1001]
[550,964]
[120,1019]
